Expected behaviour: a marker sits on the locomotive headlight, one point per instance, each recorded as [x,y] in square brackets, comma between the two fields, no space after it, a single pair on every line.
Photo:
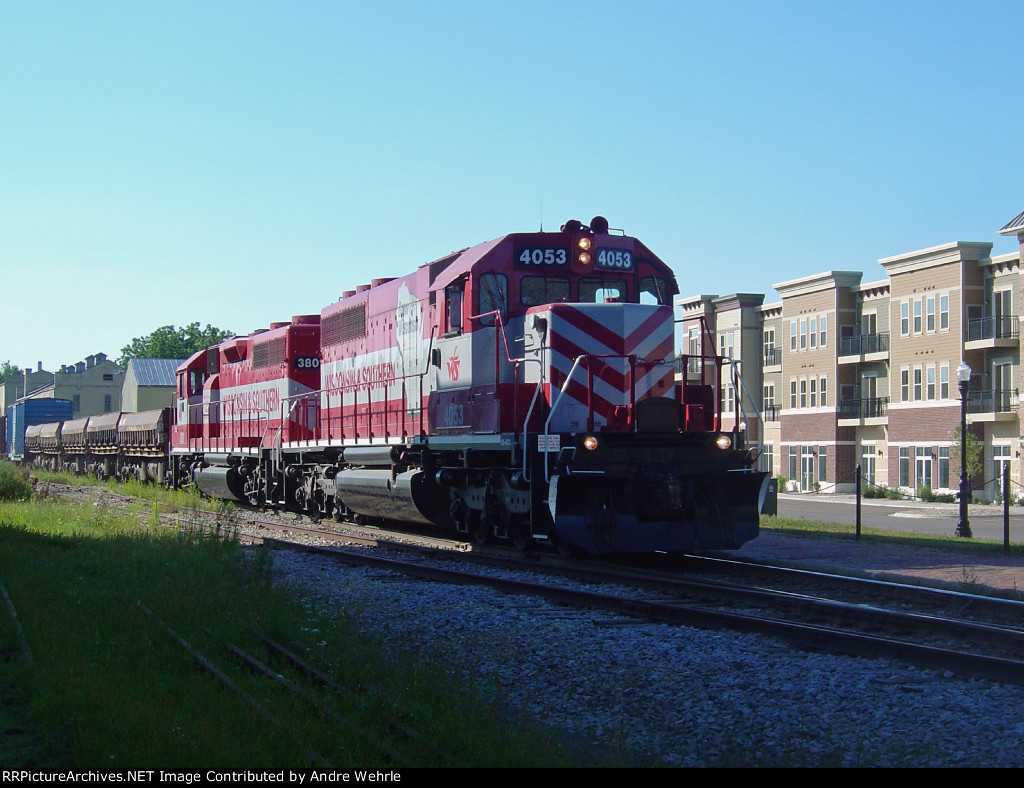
[723,442]
[590,442]
[584,258]
[584,244]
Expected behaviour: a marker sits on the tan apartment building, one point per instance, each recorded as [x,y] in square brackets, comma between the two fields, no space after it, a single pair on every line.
[731,326]
[814,449]
[771,384]
[864,376]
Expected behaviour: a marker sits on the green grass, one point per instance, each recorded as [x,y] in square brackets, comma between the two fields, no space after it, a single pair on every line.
[974,546]
[109,686]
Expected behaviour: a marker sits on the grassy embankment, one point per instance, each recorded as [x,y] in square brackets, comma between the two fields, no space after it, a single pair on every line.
[109,686]
[975,546]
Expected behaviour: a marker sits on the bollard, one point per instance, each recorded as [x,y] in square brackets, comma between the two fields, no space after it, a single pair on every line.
[1006,508]
[858,502]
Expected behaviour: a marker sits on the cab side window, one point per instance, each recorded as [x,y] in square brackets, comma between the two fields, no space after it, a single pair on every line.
[453,308]
[493,289]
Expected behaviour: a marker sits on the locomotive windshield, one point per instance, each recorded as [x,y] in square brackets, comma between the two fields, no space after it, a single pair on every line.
[534,290]
[654,290]
[602,291]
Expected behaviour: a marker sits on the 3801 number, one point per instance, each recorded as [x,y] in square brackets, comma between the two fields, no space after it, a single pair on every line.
[307,362]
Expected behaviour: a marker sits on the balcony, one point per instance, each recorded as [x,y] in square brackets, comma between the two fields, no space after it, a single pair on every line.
[864,347]
[863,412]
[992,332]
[992,405]
[772,412]
[773,358]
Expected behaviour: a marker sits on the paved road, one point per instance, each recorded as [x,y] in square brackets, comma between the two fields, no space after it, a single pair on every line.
[986,522]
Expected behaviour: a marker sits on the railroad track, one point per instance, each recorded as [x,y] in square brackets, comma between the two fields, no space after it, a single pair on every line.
[982,638]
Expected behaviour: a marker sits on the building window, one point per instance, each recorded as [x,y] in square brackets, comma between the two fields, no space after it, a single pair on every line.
[792,394]
[821,392]
[923,467]
[905,319]
[944,381]
[76,402]
[1000,459]
[807,468]
[931,382]
[944,467]
[930,314]
[822,463]
[944,313]
[768,460]
[728,398]
[867,463]
[905,385]
[917,384]
[814,332]
[726,343]
[803,392]
[904,467]
[793,457]
[108,404]
[917,315]
[792,335]
[768,401]
[814,391]
[822,332]
[803,334]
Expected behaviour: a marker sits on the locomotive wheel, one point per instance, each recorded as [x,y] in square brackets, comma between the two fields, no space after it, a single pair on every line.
[480,532]
[521,538]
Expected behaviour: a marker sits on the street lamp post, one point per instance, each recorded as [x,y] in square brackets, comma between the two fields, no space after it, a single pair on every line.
[963,377]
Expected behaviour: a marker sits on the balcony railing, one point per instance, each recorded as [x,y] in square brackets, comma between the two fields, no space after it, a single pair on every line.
[864,343]
[870,408]
[772,412]
[692,366]
[772,356]
[992,401]
[993,328]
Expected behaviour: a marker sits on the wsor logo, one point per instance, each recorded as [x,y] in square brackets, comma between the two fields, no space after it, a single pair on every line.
[453,366]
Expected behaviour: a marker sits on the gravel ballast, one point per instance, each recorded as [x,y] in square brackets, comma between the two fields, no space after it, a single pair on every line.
[671,695]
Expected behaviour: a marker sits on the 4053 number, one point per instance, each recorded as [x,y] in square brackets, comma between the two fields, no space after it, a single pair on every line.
[532,256]
[615,259]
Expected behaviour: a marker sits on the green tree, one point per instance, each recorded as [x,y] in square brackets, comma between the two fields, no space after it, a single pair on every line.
[171,342]
[975,453]
[8,370]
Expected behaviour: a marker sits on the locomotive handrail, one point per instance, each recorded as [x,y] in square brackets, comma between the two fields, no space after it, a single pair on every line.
[551,413]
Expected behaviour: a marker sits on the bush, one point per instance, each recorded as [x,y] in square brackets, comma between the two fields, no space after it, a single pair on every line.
[873,491]
[14,483]
[924,492]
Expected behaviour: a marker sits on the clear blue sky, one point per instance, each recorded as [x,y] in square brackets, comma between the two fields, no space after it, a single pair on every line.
[237,163]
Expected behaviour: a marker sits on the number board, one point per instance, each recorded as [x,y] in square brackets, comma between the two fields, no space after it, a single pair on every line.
[541,257]
[307,362]
[614,259]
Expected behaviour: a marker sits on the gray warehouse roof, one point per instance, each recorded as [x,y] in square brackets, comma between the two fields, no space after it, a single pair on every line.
[154,371]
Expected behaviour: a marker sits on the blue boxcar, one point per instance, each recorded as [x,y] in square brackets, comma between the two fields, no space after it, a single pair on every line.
[29,412]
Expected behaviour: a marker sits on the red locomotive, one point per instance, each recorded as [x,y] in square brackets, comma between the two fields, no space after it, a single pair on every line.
[523,388]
